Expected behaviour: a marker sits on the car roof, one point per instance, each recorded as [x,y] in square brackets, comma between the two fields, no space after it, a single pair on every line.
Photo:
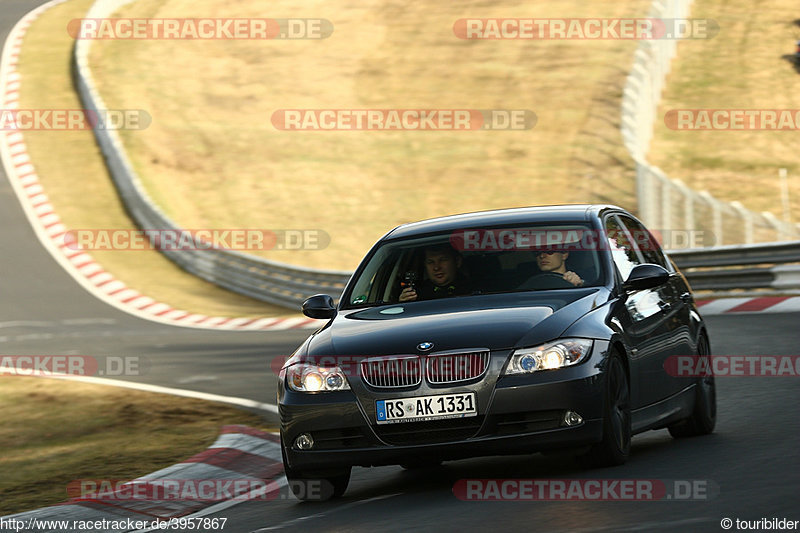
[502,217]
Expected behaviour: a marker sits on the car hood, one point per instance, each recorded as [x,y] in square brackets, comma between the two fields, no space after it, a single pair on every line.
[497,322]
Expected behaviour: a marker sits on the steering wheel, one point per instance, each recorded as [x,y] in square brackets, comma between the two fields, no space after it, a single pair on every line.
[547,280]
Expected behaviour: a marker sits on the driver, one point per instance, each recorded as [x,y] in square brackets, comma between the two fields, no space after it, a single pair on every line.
[555,262]
[442,264]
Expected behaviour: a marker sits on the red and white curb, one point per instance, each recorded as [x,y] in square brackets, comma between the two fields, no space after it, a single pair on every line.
[764,304]
[240,453]
[50,231]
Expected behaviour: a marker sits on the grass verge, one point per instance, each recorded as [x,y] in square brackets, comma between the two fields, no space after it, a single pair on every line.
[97,432]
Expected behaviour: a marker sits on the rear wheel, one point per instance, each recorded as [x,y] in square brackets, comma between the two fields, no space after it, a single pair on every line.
[316,486]
[704,414]
[615,447]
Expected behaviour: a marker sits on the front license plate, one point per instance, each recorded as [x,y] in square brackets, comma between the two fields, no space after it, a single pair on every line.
[424,408]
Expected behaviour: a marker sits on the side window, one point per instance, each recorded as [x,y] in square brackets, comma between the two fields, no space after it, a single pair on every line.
[372,282]
[621,245]
[645,242]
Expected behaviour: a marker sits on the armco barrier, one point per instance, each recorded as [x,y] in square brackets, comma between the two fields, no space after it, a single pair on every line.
[269,281]
[726,268]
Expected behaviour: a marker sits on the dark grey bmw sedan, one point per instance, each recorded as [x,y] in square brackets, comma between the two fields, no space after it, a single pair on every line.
[501,332]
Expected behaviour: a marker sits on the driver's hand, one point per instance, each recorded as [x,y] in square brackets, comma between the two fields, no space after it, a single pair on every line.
[408,295]
[573,278]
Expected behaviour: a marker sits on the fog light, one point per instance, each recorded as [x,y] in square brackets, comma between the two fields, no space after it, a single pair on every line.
[571,418]
[304,442]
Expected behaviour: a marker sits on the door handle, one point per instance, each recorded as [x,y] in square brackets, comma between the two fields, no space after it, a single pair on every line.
[686,297]
[665,306]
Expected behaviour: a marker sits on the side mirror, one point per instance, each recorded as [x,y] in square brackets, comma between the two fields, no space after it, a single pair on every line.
[319,306]
[646,276]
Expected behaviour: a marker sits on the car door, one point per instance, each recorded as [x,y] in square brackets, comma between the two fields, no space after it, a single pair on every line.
[673,300]
[647,325]
[677,297]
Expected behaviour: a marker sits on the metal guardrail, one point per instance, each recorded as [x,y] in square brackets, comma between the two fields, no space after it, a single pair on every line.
[269,281]
[721,268]
[738,255]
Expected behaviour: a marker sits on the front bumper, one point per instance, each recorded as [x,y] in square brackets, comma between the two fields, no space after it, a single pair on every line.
[516,415]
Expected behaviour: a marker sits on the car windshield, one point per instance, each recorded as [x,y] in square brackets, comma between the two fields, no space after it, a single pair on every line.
[478,261]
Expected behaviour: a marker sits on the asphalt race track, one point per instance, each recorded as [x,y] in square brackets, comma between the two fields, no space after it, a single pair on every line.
[751,462]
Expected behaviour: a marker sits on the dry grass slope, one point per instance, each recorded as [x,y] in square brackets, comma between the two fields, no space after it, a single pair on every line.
[212,158]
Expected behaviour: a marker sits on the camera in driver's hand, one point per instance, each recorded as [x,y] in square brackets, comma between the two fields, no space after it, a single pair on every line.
[409,281]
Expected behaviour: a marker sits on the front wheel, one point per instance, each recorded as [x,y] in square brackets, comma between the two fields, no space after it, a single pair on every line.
[615,447]
[319,486]
[704,414]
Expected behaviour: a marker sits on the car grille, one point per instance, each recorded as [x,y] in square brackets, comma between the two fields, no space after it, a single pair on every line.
[453,368]
[440,369]
[392,372]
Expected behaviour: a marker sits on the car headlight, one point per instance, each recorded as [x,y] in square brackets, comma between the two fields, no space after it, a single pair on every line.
[305,377]
[550,356]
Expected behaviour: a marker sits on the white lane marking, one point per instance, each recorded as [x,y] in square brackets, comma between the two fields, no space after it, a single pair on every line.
[231,400]
[34,337]
[278,483]
[65,322]
[26,323]
[196,379]
[301,519]
[87,321]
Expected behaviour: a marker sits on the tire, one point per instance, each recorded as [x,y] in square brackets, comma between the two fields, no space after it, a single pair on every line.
[704,414]
[615,446]
[318,487]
